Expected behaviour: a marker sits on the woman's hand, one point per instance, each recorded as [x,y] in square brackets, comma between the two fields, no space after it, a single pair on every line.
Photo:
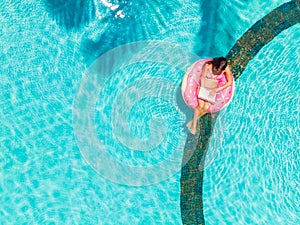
[213,92]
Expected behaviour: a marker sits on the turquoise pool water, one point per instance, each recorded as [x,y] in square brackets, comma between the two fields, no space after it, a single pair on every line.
[252,172]
[47,51]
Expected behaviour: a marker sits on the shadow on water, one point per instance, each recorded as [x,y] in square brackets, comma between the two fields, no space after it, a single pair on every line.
[205,37]
[211,30]
[142,20]
[71,13]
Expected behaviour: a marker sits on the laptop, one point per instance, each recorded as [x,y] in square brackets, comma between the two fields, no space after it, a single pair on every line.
[204,94]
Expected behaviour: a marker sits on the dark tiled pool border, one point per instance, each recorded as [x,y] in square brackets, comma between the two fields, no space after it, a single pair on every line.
[260,34]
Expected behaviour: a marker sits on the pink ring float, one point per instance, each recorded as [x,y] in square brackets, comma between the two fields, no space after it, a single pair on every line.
[191,81]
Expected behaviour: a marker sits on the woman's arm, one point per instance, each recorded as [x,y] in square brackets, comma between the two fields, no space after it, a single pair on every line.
[229,80]
[203,72]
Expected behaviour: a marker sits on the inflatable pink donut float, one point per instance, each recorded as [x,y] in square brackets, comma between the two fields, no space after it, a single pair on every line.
[191,81]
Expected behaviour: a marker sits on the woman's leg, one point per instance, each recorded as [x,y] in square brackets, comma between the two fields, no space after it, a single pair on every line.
[198,113]
[205,109]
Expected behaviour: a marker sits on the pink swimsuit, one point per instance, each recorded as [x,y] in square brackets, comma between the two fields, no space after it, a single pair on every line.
[190,91]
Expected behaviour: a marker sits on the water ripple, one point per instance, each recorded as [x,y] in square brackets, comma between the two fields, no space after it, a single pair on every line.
[150,82]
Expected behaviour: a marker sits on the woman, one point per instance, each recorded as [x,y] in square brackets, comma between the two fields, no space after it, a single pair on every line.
[215,76]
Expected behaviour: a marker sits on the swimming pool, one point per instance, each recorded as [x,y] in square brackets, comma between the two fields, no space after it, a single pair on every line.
[252,173]
[47,176]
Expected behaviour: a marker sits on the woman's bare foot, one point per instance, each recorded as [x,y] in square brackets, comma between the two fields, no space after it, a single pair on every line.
[189,124]
[193,130]
[191,127]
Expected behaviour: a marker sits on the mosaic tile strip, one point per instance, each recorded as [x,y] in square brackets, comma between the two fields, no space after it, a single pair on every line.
[253,40]
[261,33]
[192,172]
